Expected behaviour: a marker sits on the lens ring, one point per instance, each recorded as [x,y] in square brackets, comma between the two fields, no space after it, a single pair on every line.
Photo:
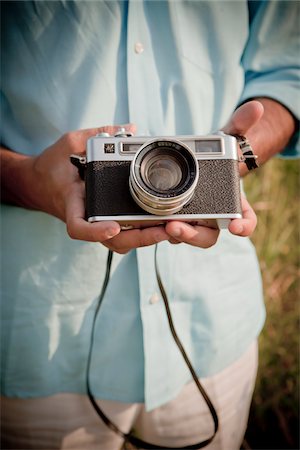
[154,198]
[165,148]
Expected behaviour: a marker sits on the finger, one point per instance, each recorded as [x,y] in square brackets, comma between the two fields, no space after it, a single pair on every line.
[110,129]
[174,241]
[79,228]
[198,236]
[76,140]
[246,225]
[130,239]
[244,118]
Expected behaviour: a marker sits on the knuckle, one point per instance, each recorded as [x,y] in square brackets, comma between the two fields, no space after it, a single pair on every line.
[111,129]
[119,250]
[145,241]
[68,137]
[150,237]
[94,235]
[122,251]
[211,241]
[71,139]
[209,244]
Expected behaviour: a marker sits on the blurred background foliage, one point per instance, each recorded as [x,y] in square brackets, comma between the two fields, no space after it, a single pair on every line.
[274,193]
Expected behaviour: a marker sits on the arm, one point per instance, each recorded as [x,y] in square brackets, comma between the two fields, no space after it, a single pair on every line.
[14,185]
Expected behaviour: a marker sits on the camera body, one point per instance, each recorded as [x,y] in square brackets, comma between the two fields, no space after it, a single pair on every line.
[144,181]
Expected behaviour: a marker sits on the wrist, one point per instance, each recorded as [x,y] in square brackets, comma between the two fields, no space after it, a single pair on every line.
[17,179]
[271,134]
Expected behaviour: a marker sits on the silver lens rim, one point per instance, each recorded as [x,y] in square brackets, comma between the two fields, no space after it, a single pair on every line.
[155,204]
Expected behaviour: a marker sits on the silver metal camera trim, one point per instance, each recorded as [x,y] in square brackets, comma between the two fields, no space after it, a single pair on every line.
[222,220]
[95,146]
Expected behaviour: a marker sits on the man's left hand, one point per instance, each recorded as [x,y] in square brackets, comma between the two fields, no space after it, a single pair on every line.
[244,118]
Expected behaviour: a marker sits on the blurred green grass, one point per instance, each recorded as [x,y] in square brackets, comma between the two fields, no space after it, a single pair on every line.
[274,193]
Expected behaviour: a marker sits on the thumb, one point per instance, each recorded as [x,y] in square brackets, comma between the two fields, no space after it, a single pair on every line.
[244,118]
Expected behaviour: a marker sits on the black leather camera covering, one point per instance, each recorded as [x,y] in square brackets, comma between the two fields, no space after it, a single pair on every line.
[107,189]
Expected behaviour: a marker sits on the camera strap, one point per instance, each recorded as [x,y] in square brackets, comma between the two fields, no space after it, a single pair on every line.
[249,158]
[128,437]
[79,161]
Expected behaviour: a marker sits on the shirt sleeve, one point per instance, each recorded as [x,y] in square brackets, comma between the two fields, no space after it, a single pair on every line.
[271,58]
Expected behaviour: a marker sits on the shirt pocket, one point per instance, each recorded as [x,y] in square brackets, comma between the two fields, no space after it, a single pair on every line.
[208,35]
[192,34]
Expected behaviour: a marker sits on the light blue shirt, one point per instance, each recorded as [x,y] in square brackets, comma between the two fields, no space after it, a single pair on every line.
[175,67]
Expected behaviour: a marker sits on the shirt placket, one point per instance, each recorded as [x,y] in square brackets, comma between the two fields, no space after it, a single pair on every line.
[143,83]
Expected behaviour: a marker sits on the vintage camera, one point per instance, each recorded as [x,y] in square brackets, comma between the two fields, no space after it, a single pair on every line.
[144,181]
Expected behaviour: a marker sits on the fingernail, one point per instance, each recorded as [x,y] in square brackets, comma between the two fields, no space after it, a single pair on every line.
[176,232]
[111,232]
[239,229]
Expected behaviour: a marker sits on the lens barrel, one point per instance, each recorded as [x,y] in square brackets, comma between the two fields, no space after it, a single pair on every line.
[163,176]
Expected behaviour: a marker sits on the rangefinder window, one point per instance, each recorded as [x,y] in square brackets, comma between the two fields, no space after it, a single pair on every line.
[208,146]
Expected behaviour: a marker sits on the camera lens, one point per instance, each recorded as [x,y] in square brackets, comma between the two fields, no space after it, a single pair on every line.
[163,173]
[163,176]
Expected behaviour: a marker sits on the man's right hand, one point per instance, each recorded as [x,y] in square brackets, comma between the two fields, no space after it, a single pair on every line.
[50,183]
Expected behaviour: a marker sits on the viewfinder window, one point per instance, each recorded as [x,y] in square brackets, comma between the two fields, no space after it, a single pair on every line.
[208,146]
[130,148]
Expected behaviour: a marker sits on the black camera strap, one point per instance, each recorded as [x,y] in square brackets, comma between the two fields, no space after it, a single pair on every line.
[128,437]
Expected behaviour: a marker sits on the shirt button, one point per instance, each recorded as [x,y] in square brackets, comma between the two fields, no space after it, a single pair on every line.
[138,48]
[154,298]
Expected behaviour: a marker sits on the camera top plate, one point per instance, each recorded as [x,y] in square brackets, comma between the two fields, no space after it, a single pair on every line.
[216,146]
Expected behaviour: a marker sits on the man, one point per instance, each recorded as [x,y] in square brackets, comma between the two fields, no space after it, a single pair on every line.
[162,68]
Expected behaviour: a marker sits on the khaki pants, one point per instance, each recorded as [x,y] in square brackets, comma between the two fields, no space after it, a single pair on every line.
[68,421]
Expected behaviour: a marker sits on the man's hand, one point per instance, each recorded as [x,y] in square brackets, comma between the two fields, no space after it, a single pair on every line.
[50,183]
[269,126]
[205,237]
[266,123]
[245,117]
